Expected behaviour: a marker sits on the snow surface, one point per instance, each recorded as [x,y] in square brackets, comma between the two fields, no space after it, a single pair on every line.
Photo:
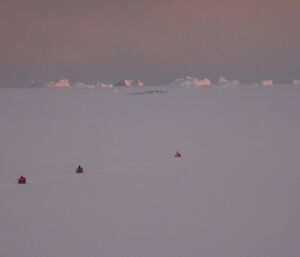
[234,193]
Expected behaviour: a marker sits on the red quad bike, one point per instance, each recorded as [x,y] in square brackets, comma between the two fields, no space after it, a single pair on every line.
[21,180]
[178,154]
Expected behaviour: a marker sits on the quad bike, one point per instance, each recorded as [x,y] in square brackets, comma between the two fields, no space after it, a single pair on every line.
[21,180]
[178,154]
[79,169]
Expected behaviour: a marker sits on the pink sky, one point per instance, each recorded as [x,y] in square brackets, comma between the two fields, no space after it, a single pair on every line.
[152,40]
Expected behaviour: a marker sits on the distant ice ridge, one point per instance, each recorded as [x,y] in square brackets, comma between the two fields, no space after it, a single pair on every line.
[83,85]
[186,82]
[199,83]
[129,83]
[224,83]
[267,82]
[104,85]
[64,83]
[190,82]
[91,86]
[296,82]
[121,83]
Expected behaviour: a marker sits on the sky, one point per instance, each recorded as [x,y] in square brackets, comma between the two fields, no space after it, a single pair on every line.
[156,41]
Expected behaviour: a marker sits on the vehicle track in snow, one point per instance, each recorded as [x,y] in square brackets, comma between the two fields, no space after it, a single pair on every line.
[57,177]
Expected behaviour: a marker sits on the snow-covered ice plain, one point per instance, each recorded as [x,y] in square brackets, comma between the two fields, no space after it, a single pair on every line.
[234,193]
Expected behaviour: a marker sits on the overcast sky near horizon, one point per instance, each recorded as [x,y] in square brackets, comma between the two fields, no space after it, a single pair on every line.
[155,40]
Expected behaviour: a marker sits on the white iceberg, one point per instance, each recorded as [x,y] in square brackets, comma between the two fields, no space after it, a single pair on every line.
[224,83]
[129,83]
[190,82]
[268,82]
[104,85]
[64,83]
[83,85]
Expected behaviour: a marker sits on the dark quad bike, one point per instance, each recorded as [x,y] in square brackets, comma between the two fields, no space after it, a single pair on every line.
[79,169]
[21,180]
